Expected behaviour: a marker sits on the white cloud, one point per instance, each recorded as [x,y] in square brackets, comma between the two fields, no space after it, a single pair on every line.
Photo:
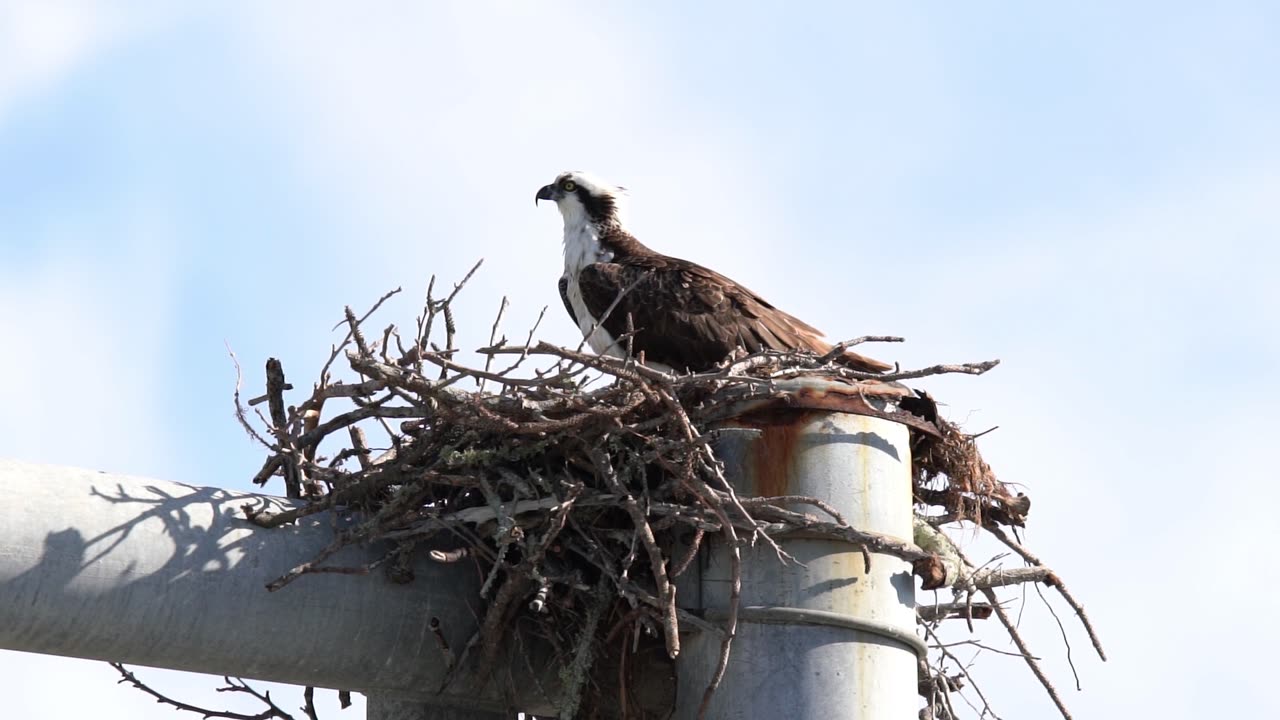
[438,133]
[42,41]
[84,364]
[84,344]
[435,128]
[480,120]
[46,41]
[1132,403]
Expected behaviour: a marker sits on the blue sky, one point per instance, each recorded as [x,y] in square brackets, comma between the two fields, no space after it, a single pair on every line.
[1089,193]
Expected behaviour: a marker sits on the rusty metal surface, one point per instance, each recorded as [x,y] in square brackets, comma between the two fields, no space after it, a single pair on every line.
[872,399]
[821,637]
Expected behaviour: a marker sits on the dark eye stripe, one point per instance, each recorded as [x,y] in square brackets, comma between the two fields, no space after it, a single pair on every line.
[598,207]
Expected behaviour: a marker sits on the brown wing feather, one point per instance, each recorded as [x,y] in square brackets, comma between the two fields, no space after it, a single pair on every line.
[564,297]
[690,317]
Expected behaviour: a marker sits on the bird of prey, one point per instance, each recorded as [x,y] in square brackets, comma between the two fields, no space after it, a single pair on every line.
[682,316]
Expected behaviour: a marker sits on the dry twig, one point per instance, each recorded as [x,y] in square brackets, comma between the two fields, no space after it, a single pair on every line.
[233,685]
[567,498]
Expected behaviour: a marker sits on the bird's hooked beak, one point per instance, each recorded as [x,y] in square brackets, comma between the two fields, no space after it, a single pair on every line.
[547,192]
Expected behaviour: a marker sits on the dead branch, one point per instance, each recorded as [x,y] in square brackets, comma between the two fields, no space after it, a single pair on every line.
[280,428]
[580,498]
[1057,584]
[1026,654]
[233,685]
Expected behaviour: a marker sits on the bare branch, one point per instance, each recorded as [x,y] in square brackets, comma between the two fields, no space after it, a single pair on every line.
[580,488]
[271,711]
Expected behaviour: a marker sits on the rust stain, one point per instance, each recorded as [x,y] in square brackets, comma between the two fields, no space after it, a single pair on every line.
[844,397]
[774,450]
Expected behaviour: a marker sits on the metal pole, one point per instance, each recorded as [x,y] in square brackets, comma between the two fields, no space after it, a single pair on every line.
[112,567]
[382,706]
[822,639]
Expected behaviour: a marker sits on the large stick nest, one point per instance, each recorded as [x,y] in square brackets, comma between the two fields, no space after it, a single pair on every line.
[571,480]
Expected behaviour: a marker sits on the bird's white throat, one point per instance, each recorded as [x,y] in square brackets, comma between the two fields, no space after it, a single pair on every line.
[582,245]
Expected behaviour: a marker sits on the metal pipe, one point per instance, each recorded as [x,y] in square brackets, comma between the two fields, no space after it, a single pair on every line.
[381,706]
[820,638]
[140,571]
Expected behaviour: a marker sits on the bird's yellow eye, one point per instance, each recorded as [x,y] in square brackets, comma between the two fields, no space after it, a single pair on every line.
[568,185]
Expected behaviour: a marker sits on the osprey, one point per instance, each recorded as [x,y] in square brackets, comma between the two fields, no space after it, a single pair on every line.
[683,316]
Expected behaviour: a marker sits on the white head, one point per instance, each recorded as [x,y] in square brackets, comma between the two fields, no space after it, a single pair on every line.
[584,199]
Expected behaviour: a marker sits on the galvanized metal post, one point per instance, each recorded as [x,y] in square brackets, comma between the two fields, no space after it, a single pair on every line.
[821,638]
[169,575]
[382,706]
[141,571]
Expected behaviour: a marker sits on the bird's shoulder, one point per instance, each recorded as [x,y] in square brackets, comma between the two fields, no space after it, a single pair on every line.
[681,284]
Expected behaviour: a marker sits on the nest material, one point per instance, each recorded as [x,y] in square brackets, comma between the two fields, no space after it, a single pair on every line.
[949,473]
[570,495]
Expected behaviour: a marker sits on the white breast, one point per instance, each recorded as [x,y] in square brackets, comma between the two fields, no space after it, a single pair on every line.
[582,248]
[600,340]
